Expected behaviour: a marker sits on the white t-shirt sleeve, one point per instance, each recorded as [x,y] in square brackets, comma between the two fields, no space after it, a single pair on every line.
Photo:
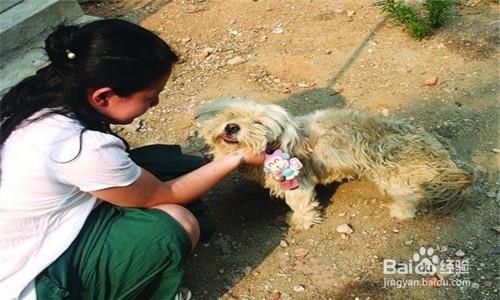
[96,161]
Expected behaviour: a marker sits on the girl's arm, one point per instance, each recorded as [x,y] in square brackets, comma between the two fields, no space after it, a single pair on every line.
[149,191]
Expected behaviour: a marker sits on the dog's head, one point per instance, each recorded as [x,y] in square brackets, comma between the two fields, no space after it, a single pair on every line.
[231,125]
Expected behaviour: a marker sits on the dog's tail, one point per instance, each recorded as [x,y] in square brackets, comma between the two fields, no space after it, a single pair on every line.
[448,191]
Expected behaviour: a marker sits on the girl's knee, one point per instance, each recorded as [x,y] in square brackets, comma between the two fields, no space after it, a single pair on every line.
[185,218]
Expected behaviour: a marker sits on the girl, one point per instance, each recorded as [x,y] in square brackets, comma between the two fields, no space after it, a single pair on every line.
[81,217]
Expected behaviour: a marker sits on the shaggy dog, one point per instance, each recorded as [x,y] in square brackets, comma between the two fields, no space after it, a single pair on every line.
[403,160]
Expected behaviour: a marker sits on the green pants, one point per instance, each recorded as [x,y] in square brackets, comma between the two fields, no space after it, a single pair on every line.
[128,253]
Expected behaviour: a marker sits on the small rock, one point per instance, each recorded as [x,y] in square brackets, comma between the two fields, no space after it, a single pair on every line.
[276,295]
[496,228]
[344,236]
[284,244]
[206,52]
[431,81]
[491,194]
[186,40]
[247,270]
[299,288]
[338,10]
[301,252]
[303,85]
[475,285]
[278,29]
[350,13]
[408,243]
[496,150]
[395,230]
[385,112]
[221,271]
[460,253]
[285,297]
[345,228]
[236,60]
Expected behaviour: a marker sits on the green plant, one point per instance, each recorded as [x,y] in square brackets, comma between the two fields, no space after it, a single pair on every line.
[436,13]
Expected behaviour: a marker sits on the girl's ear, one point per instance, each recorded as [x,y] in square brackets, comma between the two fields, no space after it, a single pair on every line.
[100,97]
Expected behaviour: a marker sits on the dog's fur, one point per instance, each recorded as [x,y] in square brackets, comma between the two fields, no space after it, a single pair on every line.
[403,160]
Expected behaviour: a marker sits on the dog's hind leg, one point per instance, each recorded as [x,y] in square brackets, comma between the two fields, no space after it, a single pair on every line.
[406,198]
[443,193]
[306,210]
[404,206]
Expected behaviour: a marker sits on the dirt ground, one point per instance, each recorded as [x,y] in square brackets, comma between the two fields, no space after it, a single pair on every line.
[308,55]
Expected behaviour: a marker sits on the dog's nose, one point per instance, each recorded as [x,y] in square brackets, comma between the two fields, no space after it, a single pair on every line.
[231,128]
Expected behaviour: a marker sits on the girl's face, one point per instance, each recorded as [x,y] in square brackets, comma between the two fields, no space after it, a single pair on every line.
[123,110]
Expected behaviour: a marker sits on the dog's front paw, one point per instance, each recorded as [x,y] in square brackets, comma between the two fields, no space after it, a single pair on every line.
[301,221]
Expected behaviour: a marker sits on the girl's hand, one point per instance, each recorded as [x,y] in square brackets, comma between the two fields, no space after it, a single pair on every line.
[253,159]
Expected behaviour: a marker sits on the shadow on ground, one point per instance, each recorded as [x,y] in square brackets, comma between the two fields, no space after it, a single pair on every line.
[251,222]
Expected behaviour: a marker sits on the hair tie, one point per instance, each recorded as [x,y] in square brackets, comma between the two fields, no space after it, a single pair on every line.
[70,54]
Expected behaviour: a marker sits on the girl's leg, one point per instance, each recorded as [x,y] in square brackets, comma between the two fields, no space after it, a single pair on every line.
[185,218]
[126,253]
[168,162]
[120,253]
[165,161]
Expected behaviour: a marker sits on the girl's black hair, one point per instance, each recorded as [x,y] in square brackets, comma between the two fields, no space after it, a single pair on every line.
[107,53]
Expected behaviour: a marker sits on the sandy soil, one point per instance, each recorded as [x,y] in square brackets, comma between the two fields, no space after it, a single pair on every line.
[308,55]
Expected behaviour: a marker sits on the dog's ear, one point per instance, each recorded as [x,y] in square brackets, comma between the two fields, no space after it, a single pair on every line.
[289,137]
[208,111]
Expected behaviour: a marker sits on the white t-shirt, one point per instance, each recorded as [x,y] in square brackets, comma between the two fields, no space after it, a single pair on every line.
[47,169]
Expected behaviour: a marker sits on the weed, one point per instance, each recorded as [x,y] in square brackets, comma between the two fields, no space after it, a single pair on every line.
[437,11]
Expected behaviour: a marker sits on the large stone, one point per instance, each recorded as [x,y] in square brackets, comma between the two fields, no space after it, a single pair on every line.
[30,19]
[6,4]
[24,25]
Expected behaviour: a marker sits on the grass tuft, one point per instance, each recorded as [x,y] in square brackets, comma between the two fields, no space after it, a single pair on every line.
[437,11]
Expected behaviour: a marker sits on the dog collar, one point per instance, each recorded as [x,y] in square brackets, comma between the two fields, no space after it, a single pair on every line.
[284,169]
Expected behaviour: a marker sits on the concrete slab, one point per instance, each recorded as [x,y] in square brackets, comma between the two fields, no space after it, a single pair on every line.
[6,4]
[29,59]
[85,19]
[27,63]
[29,19]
